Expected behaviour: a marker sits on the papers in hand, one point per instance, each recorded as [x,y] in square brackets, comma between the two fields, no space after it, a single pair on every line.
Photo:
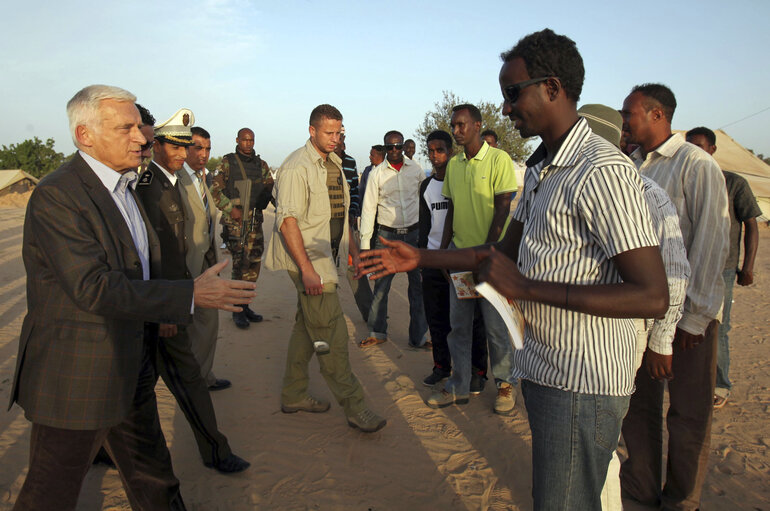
[465,285]
[509,310]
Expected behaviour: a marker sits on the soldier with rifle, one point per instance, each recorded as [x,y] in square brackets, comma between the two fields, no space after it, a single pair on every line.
[245,179]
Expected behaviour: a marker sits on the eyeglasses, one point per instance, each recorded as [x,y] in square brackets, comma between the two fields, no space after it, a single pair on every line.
[397,147]
[512,92]
[148,145]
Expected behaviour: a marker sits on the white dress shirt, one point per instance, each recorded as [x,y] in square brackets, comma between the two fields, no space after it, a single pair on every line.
[392,196]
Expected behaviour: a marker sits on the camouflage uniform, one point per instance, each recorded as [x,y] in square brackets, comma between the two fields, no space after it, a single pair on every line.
[244,239]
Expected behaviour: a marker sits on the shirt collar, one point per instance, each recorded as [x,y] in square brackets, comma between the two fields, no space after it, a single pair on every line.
[667,149]
[191,172]
[568,152]
[316,158]
[106,175]
[171,177]
[406,162]
[479,155]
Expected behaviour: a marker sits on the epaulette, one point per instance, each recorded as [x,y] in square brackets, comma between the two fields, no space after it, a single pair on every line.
[145,178]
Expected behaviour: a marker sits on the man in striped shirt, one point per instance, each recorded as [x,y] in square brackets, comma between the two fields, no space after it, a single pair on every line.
[579,255]
[694,181]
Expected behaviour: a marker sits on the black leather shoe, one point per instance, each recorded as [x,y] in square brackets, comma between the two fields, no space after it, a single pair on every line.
[220,385]
[251,315]
[239,318]
[230,465]
[477,383]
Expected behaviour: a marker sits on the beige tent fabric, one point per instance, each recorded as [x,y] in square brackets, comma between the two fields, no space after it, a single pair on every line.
[9,177]
[732,156]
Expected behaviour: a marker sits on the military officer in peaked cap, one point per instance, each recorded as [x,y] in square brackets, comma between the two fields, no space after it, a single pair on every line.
[161,195]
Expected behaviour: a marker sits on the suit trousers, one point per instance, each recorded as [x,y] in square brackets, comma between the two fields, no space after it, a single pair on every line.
[319,318]
[182,375]
[691,394]
[60,458]
[203,333]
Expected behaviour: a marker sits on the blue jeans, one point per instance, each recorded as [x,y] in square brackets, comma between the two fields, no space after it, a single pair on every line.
[460,341]
[723,347]
[573,437]
[378,314]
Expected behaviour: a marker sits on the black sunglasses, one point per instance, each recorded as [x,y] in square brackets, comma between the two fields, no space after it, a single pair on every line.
[148,145]
[512,92]
[397,147]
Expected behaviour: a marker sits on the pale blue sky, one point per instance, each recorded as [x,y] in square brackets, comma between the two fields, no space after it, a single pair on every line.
[265,65]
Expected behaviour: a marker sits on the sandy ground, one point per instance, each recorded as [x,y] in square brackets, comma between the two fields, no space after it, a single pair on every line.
[458,458]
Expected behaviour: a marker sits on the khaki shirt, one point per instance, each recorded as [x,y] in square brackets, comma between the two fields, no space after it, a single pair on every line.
[300,192]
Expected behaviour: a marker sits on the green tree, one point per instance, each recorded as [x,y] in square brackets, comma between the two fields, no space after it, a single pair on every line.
[213,163]
[509,139]
[32,156]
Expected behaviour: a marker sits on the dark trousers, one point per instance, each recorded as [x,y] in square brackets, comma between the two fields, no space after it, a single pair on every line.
[691,395]
[182,374]
[60,458]
[435,295]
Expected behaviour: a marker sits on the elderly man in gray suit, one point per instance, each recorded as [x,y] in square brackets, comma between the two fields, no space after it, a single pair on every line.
[84,372]
[200,225]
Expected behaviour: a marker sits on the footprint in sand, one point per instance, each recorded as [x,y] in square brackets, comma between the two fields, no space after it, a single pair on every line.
[733,463]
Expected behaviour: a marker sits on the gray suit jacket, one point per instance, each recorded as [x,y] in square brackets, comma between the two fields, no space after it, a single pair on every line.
[82,340]
[201,252]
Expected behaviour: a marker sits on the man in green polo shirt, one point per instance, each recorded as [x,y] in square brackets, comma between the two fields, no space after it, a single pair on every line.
[478,184]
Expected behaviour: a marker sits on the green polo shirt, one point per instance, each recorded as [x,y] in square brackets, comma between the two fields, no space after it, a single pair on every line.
[472,186]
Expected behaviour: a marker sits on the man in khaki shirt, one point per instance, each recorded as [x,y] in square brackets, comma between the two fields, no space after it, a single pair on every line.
[311,229]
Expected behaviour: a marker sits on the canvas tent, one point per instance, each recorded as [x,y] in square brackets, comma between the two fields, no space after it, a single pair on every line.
[16,181]
[732,156]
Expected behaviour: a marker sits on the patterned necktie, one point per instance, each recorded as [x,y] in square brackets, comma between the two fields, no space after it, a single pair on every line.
[202,190]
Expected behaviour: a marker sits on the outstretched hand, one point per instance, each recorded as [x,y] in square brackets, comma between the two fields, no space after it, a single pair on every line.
[397,256]
[212,292]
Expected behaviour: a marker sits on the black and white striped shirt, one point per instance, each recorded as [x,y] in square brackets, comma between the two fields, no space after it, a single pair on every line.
[580,210]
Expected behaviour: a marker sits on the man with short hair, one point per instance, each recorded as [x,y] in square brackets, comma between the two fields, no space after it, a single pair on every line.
[311,230]
[148,121]
[351,176]
[580,257]
[409,148]
[478,184]
[84,372]
[656,335]
[392,197]
[200,226]
[376,156]
[743,210]
[435,286]
[362,293]
[244,178]
[490,137]
[695,184]
[162,197]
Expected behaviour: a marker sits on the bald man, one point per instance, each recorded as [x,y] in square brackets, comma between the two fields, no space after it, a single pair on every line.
[244,178]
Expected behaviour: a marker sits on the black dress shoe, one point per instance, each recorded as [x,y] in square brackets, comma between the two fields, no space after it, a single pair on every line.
[251,315]
[239,318]
[230,465]
[220,385]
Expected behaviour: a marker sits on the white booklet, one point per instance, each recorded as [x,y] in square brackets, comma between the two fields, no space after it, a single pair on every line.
[509,310]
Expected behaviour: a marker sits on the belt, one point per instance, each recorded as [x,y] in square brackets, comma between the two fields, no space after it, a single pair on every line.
[400,230]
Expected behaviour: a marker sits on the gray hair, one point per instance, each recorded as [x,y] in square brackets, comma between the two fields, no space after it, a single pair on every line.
[83,108]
